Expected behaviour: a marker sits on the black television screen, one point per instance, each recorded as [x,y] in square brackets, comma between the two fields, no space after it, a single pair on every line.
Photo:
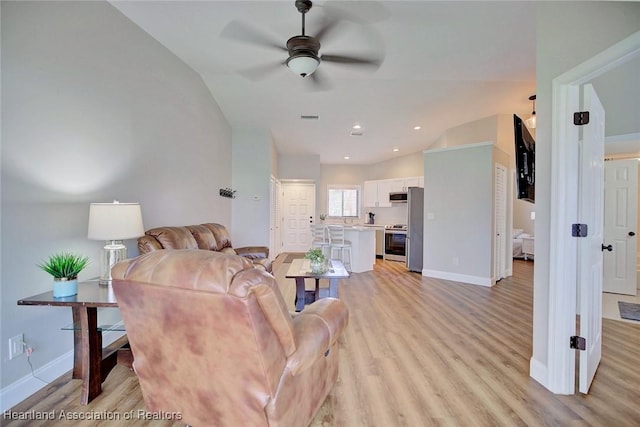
[525,161]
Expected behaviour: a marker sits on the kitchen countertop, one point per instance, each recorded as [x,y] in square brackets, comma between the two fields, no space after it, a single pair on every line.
[358,226]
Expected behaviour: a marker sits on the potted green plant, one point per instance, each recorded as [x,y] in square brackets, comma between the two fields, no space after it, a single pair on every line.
[64,267]
[316,260]
[323,217]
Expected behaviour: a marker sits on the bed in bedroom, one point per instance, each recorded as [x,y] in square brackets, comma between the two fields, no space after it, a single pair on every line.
[518,235]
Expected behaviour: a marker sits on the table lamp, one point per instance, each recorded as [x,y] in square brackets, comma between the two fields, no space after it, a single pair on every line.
[114,222]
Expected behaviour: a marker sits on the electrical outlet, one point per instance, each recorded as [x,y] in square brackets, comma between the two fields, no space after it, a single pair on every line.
[16,346]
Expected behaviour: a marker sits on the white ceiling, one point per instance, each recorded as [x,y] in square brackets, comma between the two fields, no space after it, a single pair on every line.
[445,64]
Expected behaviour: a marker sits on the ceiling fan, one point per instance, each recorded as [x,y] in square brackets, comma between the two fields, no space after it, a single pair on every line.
[303,50]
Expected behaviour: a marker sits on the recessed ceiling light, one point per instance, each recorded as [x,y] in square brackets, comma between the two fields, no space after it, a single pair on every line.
[417,127]
[346,157]
[357,126]
[396,149]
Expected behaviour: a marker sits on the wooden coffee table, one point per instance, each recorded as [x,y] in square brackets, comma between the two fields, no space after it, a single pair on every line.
[300,270]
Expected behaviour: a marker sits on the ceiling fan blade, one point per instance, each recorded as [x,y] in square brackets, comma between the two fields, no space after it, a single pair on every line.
[241,32]
[261,72]
[352,60]
[318,82]
[327,27]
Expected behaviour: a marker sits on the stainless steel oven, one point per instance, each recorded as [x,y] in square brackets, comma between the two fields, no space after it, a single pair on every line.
[395,242]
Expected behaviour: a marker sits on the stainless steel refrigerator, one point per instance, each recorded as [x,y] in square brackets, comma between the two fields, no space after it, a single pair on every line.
[415,228]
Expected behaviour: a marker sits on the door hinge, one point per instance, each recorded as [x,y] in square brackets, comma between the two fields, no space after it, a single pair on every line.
[579,230]
[577,343]
[581,118]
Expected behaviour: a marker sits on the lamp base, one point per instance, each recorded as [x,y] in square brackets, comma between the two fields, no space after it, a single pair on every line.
[113,252]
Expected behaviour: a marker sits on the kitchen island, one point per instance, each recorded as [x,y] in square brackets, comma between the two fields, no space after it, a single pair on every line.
[363,247]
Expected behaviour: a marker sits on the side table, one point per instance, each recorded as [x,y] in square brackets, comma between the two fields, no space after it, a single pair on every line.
[91,363]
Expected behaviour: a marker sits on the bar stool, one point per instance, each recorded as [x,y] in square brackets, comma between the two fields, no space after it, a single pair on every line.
[338,243]
[320,239]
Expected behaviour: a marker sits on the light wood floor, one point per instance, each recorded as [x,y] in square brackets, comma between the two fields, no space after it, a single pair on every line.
[424,352]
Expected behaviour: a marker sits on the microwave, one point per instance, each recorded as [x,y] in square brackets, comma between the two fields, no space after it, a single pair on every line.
[399,197]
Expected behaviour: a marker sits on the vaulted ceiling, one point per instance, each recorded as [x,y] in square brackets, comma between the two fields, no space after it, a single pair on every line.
[444,64]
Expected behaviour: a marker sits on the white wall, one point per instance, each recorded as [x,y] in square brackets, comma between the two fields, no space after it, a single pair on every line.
[398,167]
[299,167]
[273,154]
[458,194]
[568,33]
[497,128]
[251,173]
[93,109]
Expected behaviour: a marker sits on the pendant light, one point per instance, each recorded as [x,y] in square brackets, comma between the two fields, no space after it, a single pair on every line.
[531,121]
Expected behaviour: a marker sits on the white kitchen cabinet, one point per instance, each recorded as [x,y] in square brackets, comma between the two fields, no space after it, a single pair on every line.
[376,194]
[403,184]
[384,188]
[370,194]
[397,185]
[415,181]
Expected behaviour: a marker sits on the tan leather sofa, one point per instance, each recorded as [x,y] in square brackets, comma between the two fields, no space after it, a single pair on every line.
[210,236]
[213,341]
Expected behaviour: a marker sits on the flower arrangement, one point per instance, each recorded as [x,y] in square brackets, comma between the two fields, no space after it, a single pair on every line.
[323,216]
[64,265]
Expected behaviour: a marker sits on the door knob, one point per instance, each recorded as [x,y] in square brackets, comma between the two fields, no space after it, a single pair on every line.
[631,233]
[608,248]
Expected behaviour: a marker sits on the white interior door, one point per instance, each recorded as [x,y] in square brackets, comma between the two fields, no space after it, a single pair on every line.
[590,258]
[299,207]
[620,223]
[500,219]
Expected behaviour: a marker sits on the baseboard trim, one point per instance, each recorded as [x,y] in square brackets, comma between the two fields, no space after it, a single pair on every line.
[538,371]
[464,278]
[19,390]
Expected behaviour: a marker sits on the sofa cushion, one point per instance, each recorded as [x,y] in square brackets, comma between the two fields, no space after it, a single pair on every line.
[174,237]
[221,234]
[204,236]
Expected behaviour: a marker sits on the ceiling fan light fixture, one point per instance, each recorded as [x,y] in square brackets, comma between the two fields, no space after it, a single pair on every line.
[303,64]
[532,121]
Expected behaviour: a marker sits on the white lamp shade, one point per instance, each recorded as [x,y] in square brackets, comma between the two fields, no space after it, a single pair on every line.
[115,221]
[303,64]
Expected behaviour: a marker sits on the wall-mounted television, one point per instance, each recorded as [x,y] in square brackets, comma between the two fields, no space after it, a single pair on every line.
[525,161]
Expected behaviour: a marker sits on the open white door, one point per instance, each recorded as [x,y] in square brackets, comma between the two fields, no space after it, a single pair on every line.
[299,207]
[591,212]
[620,223]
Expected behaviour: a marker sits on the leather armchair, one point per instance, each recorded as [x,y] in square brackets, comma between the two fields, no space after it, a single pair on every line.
[210,236]
[212,340]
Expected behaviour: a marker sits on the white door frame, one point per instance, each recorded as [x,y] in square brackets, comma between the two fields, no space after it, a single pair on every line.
[500,234]
[275,204]
[560,372]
